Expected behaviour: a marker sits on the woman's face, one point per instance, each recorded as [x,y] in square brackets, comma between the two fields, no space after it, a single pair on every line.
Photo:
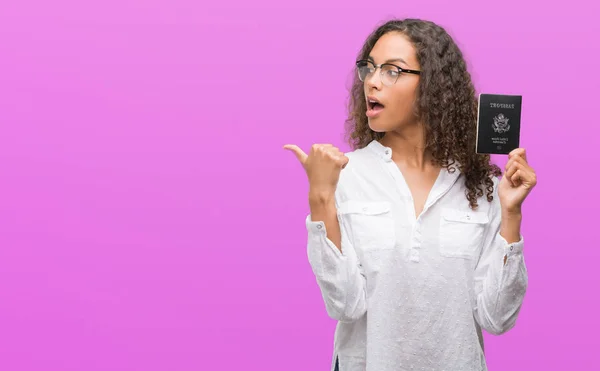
[395,102]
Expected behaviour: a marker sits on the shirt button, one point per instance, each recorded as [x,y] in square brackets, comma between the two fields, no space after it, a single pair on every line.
[319,226]
[511,248]
[364,209]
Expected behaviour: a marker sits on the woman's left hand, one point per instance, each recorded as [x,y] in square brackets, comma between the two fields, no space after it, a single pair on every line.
[518,181]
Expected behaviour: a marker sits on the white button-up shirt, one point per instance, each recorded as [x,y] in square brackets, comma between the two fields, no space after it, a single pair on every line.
[414,293]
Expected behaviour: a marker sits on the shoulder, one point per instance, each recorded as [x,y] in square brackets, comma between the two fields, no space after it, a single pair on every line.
[366,156]
[363,153]
[362,162]
[484,183]
[488,186]
[495,185]
[492,206]
[364,171]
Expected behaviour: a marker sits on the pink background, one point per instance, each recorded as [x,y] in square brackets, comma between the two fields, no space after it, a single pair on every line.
[146,222]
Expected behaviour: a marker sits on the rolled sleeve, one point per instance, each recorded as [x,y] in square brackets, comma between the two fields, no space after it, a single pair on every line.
[338,273]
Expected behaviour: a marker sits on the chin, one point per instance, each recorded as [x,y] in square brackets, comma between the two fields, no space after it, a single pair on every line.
[378,126]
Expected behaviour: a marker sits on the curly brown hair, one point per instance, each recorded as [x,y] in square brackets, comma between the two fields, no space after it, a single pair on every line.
[446,104]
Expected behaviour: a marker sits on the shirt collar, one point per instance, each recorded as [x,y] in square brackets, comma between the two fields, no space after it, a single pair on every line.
[380,150]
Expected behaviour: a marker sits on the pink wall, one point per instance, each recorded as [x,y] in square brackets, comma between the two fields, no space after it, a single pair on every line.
[145,222]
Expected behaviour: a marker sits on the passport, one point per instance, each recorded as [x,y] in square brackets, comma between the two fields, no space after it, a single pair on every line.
[498,123]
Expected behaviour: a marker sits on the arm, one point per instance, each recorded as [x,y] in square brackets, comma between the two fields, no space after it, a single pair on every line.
[334,261]
[501,275]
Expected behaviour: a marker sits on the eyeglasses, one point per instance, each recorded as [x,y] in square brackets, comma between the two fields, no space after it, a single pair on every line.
[389,72]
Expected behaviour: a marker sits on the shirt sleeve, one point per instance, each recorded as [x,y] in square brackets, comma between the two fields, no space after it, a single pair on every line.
[499,286]
[339,275]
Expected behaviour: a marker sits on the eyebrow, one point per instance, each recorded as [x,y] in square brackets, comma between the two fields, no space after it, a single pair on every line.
[390,60]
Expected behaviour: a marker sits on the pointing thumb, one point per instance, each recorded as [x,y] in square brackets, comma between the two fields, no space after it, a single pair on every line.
[297,151]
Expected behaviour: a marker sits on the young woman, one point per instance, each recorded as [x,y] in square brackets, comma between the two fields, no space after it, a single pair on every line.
[414,241]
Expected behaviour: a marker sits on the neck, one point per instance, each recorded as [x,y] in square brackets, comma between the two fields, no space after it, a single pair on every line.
[408,146]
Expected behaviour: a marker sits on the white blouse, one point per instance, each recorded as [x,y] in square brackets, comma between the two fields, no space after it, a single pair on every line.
[414,293]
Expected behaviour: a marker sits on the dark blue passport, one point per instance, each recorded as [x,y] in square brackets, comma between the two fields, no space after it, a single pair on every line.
[498,123]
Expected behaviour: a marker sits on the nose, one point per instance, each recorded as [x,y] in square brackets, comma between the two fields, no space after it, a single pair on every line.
[374,80]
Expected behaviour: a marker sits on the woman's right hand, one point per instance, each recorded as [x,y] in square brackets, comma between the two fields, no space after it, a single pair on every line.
[323,165]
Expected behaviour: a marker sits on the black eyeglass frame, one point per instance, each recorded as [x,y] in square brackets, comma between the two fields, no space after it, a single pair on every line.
[380,67]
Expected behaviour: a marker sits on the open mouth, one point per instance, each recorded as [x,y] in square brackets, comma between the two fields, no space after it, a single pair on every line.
[373,103]
[373,106]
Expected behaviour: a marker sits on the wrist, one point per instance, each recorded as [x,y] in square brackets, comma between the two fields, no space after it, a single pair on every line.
[322,205]
[512,213]
[321,196]
[510,227]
